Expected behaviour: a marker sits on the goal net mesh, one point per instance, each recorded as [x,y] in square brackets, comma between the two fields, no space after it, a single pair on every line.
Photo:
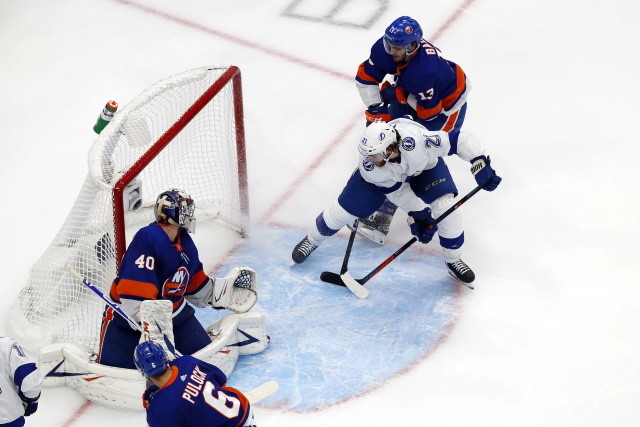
[201,158]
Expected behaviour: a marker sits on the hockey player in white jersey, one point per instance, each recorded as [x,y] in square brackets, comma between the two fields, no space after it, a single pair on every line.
[20,384]
[402,161]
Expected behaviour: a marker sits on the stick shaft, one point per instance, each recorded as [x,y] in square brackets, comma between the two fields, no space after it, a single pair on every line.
[406,246]
[105,299]
[347,254]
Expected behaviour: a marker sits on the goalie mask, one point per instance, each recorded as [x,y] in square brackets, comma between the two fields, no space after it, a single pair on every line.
[375,140]
[176,207]
[150,359]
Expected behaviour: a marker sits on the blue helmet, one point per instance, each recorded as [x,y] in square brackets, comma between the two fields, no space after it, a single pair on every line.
[176,207]
[150,359]
[402,32]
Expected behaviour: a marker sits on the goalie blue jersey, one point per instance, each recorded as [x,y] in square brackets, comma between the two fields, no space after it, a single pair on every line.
[196,395]
[153,267]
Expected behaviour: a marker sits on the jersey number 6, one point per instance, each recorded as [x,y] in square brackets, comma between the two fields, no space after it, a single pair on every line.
[219,403]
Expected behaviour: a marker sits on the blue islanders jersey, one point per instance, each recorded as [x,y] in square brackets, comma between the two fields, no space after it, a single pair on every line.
[436,83]
[153,267]
[196,395]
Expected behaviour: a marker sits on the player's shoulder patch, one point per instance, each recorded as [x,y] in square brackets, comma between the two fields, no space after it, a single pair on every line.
[367,165]
[18,349]
[408,143]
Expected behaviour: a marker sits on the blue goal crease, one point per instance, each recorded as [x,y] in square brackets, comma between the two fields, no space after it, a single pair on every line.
[327,345]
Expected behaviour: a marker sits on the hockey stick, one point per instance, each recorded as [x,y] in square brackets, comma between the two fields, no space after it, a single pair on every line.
[345,278]
[357,289]
[347,254]
[113,305]
[262,391]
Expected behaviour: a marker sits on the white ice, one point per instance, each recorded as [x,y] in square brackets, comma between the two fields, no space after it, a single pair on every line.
[550,336]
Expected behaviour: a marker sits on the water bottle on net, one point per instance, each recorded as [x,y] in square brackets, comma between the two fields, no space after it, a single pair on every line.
[105,116]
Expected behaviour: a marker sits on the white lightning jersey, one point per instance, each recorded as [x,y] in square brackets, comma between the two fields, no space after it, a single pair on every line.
[17,374]
[419,150]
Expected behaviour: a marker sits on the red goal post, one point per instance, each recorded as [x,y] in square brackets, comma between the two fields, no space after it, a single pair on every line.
[187,132]
[232,74]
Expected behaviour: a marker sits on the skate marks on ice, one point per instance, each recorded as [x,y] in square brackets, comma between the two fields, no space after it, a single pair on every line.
[328,346]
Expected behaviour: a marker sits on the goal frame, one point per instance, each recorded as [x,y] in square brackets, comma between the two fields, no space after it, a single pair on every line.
[119,193]
[232,75]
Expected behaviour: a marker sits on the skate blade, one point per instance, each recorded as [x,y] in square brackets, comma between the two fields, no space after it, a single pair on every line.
[468,285]
[374,235]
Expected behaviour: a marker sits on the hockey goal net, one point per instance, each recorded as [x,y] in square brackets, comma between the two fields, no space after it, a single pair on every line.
[184,132]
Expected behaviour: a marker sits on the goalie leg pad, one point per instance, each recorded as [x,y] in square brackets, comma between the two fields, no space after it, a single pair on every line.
[71,365]
[233,335]
[252,333]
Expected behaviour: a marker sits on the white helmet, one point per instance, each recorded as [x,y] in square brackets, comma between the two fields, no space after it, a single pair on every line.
[376,138]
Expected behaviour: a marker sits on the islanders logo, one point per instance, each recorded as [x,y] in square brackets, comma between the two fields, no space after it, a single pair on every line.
[408,143]
[177,285]
[408,29]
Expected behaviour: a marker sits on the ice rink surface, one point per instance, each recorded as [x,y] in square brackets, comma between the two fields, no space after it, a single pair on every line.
[551,334]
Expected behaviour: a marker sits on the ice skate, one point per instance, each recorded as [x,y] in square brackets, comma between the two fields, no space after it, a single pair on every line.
[302,250]
[461,271]
[375,227]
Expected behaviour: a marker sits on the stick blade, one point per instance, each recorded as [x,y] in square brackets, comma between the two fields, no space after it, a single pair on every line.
[354,286]
[262,391]
[333,278]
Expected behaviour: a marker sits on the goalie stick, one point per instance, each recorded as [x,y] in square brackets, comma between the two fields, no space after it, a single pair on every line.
[357,285]
[262,391]
[135,325]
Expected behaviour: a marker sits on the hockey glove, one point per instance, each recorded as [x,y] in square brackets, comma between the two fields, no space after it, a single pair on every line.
[238,291]
[484,174]
[148,395]
[30,405]
[377,113]
[392,94]
[422,225]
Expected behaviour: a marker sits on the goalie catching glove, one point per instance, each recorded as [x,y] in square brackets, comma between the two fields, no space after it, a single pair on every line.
[237,291]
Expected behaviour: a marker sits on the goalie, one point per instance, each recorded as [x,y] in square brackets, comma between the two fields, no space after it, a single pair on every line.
[162,262]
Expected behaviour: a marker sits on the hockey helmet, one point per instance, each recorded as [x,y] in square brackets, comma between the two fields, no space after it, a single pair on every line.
[375,140]
[150,359]
[404,31]
[176,207]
